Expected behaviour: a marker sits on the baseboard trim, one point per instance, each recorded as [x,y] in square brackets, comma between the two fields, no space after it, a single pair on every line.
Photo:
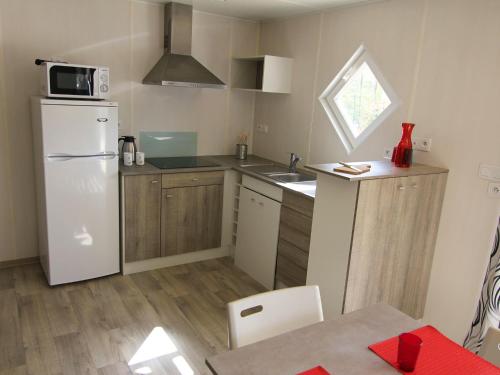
[19,262]
[175,260]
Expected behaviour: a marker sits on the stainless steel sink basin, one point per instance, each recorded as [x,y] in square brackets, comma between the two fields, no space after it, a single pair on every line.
[291,177]
[278,173]
[267,170]
[254,165]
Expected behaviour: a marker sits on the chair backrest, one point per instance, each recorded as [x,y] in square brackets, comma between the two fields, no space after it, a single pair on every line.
[490,349]
[265,315]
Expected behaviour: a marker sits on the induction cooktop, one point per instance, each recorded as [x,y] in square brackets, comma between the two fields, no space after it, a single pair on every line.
[181,162]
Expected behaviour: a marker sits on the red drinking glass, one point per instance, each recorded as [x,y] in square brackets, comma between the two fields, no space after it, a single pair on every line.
[403,152]
[408,350]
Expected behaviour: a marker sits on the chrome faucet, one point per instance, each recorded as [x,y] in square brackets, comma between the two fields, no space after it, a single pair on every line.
[294,159]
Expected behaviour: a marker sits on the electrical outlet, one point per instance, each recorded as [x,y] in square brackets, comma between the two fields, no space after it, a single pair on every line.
[489,172]
[422,144]
[388,153]
[494,190]
[262,128]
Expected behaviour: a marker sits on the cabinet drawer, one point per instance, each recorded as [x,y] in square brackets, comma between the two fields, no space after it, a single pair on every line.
[296,220]
[295,228]
[298,202]
[291,265]
[173,180]
[290,235]
[263,188]
[293,254]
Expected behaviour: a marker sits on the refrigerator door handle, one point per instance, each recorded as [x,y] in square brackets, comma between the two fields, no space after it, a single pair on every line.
[65,157]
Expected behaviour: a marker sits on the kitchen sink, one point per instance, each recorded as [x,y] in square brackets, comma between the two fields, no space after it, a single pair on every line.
[254,165]
[291,177]
[267,169]
[279,173]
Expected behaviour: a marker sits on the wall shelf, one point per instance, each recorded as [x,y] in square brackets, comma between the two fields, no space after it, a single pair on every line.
[264,73]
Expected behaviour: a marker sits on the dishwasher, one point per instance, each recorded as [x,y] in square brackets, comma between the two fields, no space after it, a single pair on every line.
[258,228]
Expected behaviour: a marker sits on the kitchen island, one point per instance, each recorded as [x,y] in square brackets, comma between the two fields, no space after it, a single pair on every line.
[373,236]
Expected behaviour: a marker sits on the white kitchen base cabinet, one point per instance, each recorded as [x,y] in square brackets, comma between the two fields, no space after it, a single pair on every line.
[257,237]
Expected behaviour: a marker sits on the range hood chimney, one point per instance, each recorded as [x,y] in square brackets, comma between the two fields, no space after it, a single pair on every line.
[177,67]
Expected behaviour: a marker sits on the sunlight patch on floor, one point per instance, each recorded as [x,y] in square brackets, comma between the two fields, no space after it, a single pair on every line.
[182,365]
[143,370]
[159,344]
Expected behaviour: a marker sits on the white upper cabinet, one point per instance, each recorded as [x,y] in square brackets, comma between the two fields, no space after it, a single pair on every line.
[263,74]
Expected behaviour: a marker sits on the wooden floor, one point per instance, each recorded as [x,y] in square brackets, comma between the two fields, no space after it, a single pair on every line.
[98,326]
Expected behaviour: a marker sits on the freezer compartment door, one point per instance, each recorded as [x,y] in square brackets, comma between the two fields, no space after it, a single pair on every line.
[82,217]
[79,130]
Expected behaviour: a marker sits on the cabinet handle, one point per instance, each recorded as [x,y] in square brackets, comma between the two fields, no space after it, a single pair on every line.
[169,196]
[195,179]
[154,181]
[261,204]
[414,186]
[252,199]
[102,119]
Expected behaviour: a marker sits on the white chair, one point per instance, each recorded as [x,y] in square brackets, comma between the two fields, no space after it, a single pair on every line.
[265,315]
[490,349]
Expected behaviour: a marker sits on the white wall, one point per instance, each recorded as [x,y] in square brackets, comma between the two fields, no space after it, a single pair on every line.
[288,116]
[218,116]
[6,212]
[127,36]
[442,57]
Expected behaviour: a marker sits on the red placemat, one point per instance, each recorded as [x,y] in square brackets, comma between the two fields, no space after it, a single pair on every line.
[438,355]
[318,370]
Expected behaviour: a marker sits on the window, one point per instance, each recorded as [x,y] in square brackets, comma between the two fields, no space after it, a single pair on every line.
[358,99]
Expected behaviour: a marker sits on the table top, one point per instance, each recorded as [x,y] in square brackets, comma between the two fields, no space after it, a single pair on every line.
[339,345]
[380,169]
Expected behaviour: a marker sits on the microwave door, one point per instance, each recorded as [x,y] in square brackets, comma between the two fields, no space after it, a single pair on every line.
[72,81]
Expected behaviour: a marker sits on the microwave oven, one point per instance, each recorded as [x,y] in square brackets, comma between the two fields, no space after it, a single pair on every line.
[61,80]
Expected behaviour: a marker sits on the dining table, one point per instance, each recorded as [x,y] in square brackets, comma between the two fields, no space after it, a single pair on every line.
[339,345]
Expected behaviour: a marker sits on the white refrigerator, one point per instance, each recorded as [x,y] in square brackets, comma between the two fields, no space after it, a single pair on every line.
[76,164]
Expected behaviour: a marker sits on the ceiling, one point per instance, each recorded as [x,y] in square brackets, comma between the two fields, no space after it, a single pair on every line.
[263,9]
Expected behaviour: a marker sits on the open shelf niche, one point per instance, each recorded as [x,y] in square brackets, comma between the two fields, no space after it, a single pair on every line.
[264,73]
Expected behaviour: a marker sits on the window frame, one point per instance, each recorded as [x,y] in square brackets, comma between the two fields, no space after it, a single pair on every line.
[327,99]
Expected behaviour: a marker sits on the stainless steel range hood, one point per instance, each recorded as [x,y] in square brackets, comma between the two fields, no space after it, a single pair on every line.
[177,67]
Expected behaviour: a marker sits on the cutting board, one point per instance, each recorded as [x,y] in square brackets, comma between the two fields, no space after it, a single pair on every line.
[363,167]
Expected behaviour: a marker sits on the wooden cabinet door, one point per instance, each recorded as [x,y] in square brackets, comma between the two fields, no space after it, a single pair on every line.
[430,190]
[142,199]
[393,241]
[191,219]
[377,244]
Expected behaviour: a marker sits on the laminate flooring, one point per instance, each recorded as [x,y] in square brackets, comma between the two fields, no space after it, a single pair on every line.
[165,321]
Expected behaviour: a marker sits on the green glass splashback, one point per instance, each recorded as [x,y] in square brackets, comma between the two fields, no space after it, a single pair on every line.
[167,144]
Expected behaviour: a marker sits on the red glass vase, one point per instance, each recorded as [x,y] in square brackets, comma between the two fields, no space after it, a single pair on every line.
[403,152]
